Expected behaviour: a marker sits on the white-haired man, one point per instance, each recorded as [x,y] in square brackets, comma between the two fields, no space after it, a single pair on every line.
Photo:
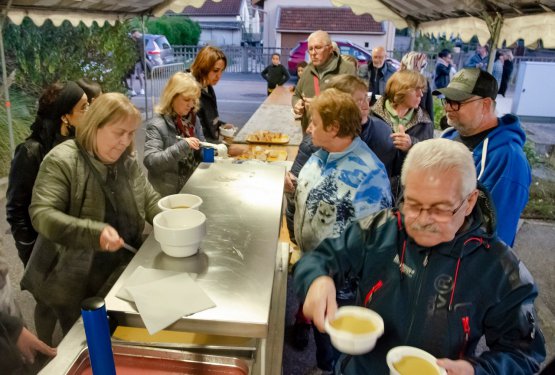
[324,64]
[435,271]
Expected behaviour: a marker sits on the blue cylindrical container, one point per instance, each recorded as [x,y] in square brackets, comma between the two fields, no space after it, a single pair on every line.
[95,319]
[208,154]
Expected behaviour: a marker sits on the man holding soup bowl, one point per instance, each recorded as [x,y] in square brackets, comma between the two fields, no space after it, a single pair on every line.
[436,272]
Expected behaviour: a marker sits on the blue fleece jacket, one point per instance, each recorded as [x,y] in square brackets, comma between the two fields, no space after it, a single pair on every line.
[504,171]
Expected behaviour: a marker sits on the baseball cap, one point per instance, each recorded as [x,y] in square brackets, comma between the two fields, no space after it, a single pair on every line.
[470,82]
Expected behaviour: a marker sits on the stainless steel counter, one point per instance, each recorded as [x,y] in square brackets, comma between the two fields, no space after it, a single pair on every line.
[237,259]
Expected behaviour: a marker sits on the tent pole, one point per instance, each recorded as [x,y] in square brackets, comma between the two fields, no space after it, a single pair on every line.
[494,25]
[5,80]
[145,72]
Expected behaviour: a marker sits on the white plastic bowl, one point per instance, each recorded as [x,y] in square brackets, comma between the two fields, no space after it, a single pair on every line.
[227,132]
[396,354]
[180,201]
[355,343]
[180,232]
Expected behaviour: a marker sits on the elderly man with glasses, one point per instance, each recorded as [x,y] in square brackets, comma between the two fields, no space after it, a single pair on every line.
[496,144]
[324,64]
[435,271]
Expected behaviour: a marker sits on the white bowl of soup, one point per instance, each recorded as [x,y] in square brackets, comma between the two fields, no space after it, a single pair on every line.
[408,360]
[180,201]
[179,232]
[354,330]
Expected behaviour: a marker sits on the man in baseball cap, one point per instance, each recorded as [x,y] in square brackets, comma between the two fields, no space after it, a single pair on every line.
[496,144]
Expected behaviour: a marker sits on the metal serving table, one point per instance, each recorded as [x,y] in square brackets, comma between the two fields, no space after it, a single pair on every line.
[237,266]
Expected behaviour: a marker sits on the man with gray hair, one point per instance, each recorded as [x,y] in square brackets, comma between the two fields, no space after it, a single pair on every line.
[324,64]
[435,271]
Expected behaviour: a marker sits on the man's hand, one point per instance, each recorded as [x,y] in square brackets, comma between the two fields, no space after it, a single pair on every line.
[28,344]
[458,367]
[401,140]
[320,301]
[298,108]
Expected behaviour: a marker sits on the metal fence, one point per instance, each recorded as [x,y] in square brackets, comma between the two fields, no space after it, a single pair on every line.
[240,59]
[159,75]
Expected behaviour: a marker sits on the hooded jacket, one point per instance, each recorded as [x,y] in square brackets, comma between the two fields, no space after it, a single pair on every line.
[441,299]
[502,167]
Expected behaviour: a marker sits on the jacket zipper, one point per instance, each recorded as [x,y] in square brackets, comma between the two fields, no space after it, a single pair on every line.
[417,297]
[465,320]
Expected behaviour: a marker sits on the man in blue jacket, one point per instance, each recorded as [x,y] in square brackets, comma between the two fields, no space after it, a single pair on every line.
[496,144]
[435,271]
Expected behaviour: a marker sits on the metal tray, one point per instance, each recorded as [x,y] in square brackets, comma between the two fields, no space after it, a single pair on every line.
[156,361]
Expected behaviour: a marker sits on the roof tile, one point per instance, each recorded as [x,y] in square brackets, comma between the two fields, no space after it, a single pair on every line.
[328,19]
[210,8]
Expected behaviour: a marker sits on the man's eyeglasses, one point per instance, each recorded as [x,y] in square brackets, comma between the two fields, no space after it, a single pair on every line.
[455,105]
[316,48]
[413,211]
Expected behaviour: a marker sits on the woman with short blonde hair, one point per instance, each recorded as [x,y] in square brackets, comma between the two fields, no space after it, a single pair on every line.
[173,135]
[400,108]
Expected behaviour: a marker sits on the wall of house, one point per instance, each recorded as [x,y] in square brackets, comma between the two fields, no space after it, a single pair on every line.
[219,37]
[272,38]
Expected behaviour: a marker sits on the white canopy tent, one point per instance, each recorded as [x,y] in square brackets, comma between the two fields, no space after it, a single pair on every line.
[76,11]
[498,20]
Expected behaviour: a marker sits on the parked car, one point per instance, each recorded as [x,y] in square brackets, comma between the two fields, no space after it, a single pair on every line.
[158,51]
[300,53]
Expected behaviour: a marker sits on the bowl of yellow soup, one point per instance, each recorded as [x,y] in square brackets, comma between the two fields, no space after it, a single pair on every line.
[407,360]
[354,329]
[180,201]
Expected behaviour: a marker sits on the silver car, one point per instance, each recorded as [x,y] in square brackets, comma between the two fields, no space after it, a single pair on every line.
[158,51]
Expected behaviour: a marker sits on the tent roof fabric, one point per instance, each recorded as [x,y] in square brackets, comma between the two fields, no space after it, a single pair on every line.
[527,19]
[88,11]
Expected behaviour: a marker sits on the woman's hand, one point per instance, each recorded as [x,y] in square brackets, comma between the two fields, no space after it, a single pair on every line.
[401,140]
[290,184]
[110,239]
[193,142]
[458,367]
[28,345]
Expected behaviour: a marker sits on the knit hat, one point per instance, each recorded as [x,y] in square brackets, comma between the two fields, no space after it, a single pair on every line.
[468,83]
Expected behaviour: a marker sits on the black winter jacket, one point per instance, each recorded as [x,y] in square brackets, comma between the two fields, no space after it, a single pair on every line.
[441,299]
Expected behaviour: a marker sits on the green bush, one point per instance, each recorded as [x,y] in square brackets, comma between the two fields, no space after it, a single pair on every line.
[179,30]
[23,113]
[45,54]
[439,112]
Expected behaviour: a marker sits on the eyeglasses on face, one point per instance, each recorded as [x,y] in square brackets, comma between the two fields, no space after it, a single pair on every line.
[317,48]
[455,105]
[412,211]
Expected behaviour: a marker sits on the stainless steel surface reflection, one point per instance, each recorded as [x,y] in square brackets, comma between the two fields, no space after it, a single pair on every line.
[236,261]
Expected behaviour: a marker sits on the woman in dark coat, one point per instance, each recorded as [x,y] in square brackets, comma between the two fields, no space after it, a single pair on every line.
[508,66]
[61,108]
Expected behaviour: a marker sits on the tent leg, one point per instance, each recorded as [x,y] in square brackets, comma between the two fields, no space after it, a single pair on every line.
[6,85]
[494,25]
